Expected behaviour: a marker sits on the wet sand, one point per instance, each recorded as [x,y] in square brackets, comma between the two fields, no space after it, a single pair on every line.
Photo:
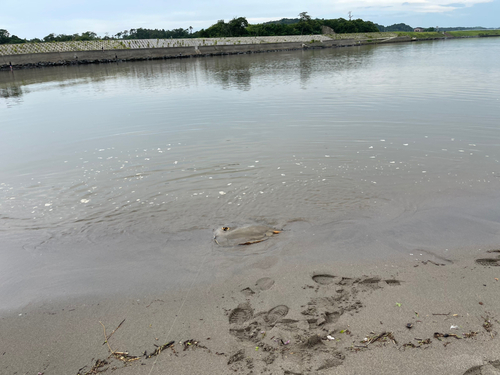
[330,318]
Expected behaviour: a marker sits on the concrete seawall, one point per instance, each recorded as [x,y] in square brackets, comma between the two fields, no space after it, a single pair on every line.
[32,60]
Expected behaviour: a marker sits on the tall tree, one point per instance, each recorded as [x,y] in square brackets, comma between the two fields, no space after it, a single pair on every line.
[237,26]
[4,36]
[305,20]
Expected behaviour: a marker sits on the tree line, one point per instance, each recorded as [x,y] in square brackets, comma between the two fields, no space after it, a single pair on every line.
[304,25]
[395,27]
[236,27]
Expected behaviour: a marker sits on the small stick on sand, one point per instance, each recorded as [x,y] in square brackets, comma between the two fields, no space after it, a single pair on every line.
[106,338]
[111,334]
[122,356]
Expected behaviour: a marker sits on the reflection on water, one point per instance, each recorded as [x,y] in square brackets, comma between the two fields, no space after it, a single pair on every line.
[194,143]
[12,93]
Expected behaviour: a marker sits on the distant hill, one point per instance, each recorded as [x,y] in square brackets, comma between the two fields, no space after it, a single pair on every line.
[395,27]
[283,21]
[465,28]
[405,27]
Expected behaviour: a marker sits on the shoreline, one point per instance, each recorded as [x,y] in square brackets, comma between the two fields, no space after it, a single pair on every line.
[85,57]
[325,318]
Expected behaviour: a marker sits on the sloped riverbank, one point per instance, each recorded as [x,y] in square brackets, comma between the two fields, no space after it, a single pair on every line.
[33,55]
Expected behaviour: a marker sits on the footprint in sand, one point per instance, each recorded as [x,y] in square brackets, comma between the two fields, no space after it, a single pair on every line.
[393,282]
[247,292]
[370,280]
[324,279]
[262,284]
[495,262]
[492,368]
[488,262]
[265,283]
[276,313]
[241,314]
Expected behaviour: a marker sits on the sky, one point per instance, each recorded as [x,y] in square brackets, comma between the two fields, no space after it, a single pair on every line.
[36,19]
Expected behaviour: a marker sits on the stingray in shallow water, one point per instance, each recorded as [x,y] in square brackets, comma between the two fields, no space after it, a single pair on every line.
[246,235]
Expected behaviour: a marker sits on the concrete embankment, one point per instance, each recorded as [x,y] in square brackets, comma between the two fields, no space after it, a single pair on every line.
[103,55]
[31,60]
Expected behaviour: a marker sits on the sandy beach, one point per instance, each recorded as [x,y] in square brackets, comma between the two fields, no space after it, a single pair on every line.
[427,316]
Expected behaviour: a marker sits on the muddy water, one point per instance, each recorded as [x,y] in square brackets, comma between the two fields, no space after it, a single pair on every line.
[116,174]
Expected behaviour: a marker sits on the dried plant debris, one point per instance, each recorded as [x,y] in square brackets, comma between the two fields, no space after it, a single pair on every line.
[99,365]
[438,335]
[420,343]
[158,349]
[470,334]
[111,334]
[97,368]
[382,337]
[410,345]
[488,324]
[192,344]
[124,356]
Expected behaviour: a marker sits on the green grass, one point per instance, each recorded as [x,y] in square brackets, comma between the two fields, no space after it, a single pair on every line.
[424,35]
[363,35]
[459,34]
[474,33]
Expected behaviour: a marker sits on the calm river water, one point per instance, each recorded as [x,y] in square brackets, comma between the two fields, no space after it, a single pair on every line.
[358,153]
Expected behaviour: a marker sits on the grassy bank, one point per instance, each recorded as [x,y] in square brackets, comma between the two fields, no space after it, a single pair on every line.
[423,35]
[463,34]
[364,36]
[456,34]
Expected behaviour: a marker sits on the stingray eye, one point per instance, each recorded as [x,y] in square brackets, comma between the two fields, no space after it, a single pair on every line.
[225,229]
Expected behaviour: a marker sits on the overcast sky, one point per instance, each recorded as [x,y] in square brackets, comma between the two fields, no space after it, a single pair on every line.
[35,18]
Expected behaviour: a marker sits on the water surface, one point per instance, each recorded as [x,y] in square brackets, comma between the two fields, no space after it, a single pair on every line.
[376,150]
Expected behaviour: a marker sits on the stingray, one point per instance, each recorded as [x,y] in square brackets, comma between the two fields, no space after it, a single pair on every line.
[246,235]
